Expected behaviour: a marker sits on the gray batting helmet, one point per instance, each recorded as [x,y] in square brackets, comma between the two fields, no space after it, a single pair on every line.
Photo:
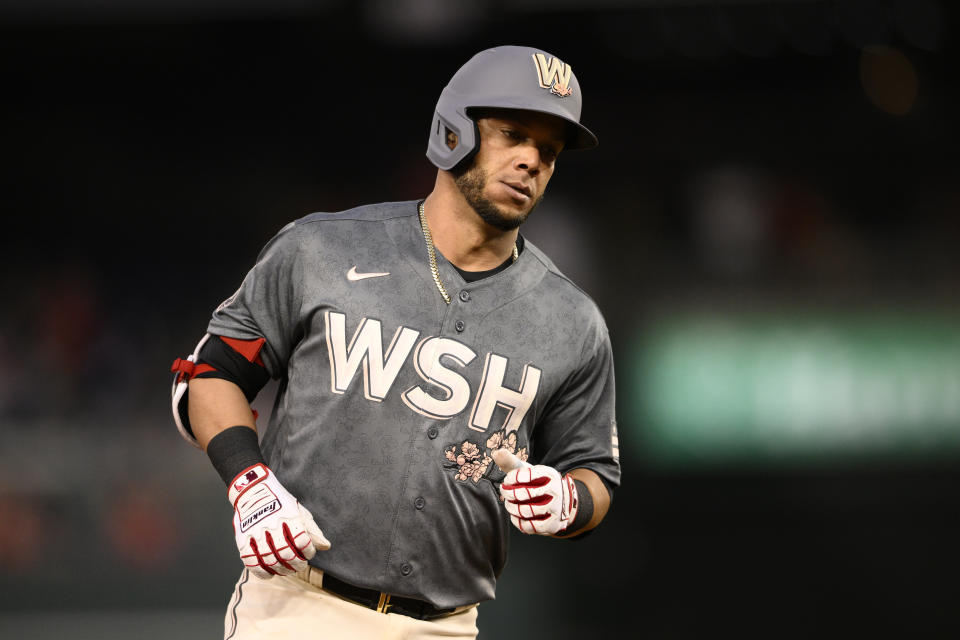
[507,78]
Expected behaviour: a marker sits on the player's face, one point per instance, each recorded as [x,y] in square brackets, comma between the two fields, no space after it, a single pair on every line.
[509,174]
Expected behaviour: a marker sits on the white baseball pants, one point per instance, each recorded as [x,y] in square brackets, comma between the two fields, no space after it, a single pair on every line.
[289,607]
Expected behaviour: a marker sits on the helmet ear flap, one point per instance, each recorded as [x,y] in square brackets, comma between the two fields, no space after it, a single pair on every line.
[453,140]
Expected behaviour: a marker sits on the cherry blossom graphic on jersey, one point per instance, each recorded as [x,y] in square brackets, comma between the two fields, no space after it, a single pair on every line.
[473,463]
[501,440]
[466,457]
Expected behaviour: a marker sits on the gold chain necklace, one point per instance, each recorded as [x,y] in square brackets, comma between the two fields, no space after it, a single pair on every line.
[434,271]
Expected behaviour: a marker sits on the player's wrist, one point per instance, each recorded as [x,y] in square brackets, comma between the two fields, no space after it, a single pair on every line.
[583,511]
[234,451]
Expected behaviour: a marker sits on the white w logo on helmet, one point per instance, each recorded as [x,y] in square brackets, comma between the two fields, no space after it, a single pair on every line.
[553,74]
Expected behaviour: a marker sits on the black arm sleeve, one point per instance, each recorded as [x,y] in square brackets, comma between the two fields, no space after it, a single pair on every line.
[230,365]
[585,511]
[233,450]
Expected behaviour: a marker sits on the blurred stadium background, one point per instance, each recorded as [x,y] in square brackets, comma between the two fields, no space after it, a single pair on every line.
[770,224]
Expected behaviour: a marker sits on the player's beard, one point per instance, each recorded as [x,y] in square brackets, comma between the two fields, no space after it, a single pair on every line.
[472,182]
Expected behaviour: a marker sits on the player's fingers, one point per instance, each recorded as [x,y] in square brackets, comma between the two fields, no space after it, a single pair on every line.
[251,560]
[528,476]
[543,526]
[283,553]
[508,494]
[510,483]
[515,494]
[263,555]
[316,536]
[527,492]
[535,509]
[507,461]
[298,540]
[510,478]
[526,526]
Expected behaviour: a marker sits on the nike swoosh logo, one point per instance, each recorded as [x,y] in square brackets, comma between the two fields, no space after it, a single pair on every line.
[352,275]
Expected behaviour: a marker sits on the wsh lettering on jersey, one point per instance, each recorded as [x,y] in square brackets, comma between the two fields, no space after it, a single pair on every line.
[381,367]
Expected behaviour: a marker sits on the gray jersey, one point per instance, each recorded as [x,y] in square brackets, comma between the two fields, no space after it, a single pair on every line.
[391,400]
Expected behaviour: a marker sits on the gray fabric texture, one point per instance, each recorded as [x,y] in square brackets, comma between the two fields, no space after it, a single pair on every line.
[390,451]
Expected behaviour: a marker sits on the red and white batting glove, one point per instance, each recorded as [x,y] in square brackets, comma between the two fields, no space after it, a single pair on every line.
[538,499]
[275,534]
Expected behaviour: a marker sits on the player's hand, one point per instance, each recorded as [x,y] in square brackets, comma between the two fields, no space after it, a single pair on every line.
[537,497]
[275,534]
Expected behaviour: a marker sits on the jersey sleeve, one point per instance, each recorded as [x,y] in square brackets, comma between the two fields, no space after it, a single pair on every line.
[267,304]
[579,428]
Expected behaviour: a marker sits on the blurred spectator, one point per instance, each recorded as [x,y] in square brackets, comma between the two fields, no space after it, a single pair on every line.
[142,529]
[24,533]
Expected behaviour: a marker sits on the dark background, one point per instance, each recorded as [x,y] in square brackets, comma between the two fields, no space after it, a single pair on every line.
[150,150]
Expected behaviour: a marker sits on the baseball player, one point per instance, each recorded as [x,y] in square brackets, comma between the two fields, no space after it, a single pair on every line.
[440,379]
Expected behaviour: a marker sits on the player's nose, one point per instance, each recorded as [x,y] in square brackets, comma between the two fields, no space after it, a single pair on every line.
[528,159]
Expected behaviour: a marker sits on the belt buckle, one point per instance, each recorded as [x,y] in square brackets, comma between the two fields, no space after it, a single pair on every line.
[384,604]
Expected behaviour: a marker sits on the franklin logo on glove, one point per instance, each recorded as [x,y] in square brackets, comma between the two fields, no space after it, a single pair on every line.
[254,517]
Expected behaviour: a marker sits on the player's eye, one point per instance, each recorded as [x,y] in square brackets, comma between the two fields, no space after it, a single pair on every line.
[512,134]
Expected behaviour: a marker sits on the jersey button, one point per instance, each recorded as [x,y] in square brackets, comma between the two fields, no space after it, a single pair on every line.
[406,569]
[419,503]
[433,432]
[460,325]
[464,295]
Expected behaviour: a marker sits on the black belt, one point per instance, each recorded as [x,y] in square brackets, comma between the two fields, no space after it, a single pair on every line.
[383,602]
